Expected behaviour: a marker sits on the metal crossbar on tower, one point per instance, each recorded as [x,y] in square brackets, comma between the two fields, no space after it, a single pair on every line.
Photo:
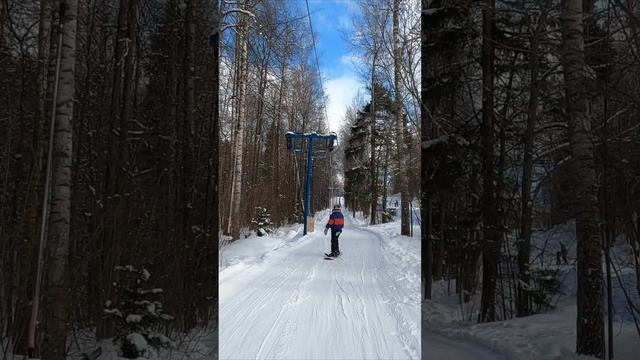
[324,144]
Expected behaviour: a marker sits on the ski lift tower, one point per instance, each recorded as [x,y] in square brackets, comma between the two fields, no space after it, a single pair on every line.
[318,145]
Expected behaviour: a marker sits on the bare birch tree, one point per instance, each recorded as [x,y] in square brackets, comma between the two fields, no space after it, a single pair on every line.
[240,110]
[401,137]
[590,320]
[57,306]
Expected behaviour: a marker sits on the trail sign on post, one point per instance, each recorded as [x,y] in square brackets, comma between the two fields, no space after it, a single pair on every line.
[317,145]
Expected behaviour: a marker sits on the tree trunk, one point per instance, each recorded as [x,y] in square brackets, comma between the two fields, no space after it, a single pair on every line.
[256,151]
[439,259]
[215,139]
[524,245]
[277,181]
[116,147]
[590,319]
[126,112]
[428,236]
[57,296]
[425,124]
[400,131]
[193,288]
[241,41]
[372,169]
[491,242]
[43,47]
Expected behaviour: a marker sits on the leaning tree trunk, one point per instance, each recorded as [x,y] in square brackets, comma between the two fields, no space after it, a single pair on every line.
[590,319]
[57,296]
[400,131]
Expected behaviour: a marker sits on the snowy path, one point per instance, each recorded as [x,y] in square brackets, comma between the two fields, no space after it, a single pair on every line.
[438,347]
[296,305]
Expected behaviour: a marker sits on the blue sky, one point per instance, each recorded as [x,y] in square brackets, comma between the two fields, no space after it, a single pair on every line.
[331,19]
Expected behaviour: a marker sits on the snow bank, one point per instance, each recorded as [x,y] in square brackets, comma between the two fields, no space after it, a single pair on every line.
[545,336]
[550,335]
[245,252]
[198,344]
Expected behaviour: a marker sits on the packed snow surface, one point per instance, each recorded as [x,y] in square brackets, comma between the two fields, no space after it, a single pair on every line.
[439,347]
[279,299]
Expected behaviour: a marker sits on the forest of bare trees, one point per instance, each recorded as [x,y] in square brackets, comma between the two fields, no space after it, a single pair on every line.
[138,138]
[529,121]
[270,85]
[128,175]
[381,143]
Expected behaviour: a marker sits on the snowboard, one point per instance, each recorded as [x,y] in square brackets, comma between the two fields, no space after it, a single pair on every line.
[327,257]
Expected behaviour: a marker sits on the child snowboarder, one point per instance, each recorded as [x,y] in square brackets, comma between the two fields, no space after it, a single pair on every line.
[335,223]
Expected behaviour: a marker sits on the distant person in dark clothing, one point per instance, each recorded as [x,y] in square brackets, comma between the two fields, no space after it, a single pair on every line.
[562,255]
[335,223]
[564,252]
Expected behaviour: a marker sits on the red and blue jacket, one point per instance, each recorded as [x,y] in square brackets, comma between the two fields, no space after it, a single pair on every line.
[336,220]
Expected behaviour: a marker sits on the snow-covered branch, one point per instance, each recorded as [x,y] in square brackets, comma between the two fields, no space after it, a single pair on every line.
[238,10]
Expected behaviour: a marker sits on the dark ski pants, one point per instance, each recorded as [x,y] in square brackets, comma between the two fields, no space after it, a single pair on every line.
[334,240]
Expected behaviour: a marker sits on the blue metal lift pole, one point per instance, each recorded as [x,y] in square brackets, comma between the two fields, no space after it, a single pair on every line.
[307,189]
[297,147]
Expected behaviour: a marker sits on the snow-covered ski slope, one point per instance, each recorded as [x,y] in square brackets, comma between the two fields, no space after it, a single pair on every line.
[290,303]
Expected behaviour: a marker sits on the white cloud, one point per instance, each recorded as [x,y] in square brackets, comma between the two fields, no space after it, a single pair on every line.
[340,92]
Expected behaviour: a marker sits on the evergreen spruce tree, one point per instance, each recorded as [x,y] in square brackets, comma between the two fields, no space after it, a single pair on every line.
[138,313]
[262,221]
[357,166]
[357,152]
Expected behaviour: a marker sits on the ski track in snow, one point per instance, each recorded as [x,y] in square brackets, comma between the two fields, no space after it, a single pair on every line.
[296,305]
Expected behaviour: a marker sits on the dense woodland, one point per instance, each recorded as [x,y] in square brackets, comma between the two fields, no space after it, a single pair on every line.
[381,154]
[117,115]
[529,120]
[130,87]
[270,84]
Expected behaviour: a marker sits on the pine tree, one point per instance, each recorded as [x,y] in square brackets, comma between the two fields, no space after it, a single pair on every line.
[262,221]
[138,314]
[357,164]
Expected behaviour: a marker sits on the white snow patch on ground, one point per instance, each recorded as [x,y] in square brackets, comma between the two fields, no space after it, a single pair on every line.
[544,336]
[198,344]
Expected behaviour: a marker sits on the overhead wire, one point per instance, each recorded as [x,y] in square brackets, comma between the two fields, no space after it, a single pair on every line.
[315,53]
[324,100]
